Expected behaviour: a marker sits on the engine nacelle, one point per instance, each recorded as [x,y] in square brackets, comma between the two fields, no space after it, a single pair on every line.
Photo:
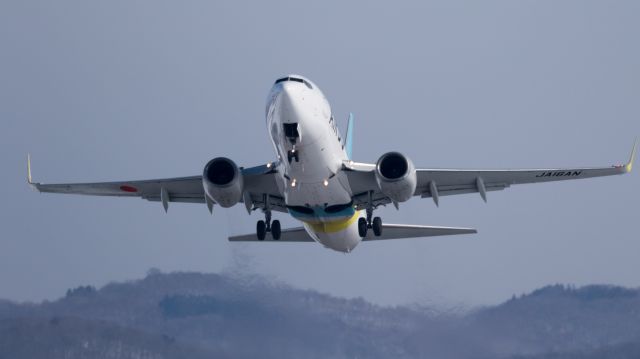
[222,181]
[396,176]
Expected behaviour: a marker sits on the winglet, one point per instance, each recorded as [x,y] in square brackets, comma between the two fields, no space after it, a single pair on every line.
[629,165]
[29,179]
[29,168]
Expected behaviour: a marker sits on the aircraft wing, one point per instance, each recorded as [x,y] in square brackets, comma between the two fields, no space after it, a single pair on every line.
[259,180]
[435,183]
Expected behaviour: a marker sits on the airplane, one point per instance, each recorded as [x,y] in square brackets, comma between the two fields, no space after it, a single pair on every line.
[317,182]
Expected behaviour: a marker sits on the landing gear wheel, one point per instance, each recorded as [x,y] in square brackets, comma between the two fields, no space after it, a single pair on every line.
[261,229]
[275,229]
[377,226]
[362,227]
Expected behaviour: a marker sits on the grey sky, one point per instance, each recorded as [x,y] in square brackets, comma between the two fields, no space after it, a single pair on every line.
[145,89]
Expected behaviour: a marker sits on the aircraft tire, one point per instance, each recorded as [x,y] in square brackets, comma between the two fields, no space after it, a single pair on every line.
[275,229]
[261,230]
[377,226]
[362,227]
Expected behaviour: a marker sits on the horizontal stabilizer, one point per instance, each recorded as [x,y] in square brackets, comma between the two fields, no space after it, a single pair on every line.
[297,234]
[389,231]
[397,231]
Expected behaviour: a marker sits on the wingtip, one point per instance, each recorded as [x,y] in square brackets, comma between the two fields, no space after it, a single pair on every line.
[29,178]
[629,166]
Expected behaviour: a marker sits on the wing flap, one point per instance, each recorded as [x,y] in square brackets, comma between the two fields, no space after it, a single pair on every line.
[398,231]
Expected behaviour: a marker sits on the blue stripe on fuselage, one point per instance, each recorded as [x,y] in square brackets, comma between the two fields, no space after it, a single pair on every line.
[319,213]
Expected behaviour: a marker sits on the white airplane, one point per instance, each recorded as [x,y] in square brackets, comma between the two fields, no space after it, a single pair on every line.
[317,182]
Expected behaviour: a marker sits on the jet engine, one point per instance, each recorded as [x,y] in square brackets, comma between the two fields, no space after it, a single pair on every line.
[222,181]
[396,176]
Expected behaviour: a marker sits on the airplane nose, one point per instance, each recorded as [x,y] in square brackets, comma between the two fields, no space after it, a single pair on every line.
[289,103]
[289,90]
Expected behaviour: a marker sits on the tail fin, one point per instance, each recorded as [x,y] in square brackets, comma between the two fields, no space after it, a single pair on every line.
[348,139]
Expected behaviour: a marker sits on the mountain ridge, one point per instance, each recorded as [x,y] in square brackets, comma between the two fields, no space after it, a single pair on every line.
[248,316]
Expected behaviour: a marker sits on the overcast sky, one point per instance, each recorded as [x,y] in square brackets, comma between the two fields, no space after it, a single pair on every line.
[124,90]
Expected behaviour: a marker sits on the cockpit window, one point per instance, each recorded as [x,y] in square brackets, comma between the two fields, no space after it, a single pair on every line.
[295,79]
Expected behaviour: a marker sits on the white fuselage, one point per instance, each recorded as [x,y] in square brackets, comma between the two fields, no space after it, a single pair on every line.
[301,125]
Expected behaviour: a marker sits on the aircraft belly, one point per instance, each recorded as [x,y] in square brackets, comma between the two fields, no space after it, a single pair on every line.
[341,236]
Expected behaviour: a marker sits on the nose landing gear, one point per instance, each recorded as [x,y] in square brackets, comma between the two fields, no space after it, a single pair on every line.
[293,154]
[291,133]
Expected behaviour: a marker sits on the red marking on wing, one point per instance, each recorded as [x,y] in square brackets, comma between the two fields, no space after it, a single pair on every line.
[126,188]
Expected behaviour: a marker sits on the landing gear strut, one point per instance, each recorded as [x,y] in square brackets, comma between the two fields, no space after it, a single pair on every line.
[262,227]
[374,223]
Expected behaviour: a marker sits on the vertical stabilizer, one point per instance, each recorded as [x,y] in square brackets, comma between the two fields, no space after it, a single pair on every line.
[348,139]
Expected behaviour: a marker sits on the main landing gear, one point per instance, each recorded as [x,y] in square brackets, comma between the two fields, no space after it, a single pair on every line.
[365,224]
[262,227]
